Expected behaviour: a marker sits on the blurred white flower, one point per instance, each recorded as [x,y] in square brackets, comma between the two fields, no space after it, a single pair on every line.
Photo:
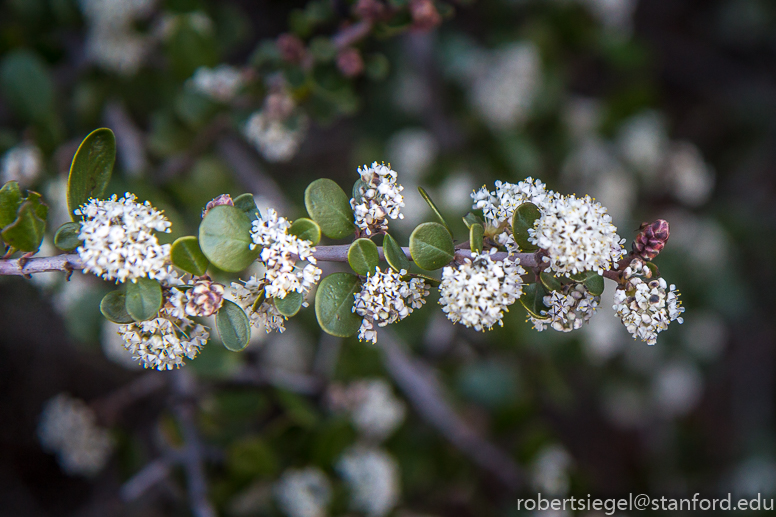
[303,492]
[276,140]
[603,337]
[373,479]
[689,178]
[68,428]
[373,408]
[549,473]
[582,116]
[23,164]
[755,475]
[677,387]
[643,143]
[705,333]
[222,83]
[412,151]
[291,351]
[625,406]
[113,346]
[615,15]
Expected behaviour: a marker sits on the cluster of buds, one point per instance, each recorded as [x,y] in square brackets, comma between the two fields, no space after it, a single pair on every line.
[204,298]
[568,309]
[378,198]
[651,239]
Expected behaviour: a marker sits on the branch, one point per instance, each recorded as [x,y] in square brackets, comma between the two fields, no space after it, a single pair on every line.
[68,262]
[420,386]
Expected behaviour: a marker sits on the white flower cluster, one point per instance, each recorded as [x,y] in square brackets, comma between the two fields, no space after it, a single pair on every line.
[385,298]
[118,239]
[499,206]
[379,197]
[164,341]
[222,83]
[68,428]
[645,306]
[265,317]
[373,408]
[276,140]
[479,291]
[303,492]
[373,478]
[567,310]
[113,42]
[578,235]
[279,253]
[22,163]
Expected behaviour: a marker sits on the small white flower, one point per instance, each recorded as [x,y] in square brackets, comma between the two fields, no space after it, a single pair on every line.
[646,307]
[385,298]
[68,428]
[265,317]
[118,239]
[23,163]
[303,492]
[373,408]
[279,253]
[567,310]
[373,478]
[222,83]
[165,341]
[479,291]
[578,235]
[379,197]
[276,140]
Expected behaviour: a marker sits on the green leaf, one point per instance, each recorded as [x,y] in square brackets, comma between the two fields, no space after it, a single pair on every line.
[470,219]
[594,283]
[476,235]
[225,238]
[247,205]
[522,220]
[431,246]
[533,299]
[289,305]
[434,209]
[91,168]
[26,232]
[549,281]
[357,196]
[66,237]
[40,208]
[113,307]
[394,255]
[234,327]
[27,86]
[143,298]
[653,268]
[334,304]
[187,255]
[10,201]
[306,229]
[329,206]
[430,280]
[363,256]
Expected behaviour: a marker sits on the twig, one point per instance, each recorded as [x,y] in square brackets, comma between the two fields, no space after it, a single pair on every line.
[351,34]
[184,409]
[338,253]
[420,386]
[150,475]
[295,382]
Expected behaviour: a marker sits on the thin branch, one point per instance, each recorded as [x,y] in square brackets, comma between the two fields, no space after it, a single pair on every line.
[291,381]
[420,386]
[351,34]
[152,474]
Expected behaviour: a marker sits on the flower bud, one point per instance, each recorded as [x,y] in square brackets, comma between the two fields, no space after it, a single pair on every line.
[204,298]
[651,239]
[223,199]
[291,48]
[369,10]
[424,14]
[349,62]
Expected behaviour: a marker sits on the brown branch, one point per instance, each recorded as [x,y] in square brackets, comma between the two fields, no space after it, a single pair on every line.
[351,34]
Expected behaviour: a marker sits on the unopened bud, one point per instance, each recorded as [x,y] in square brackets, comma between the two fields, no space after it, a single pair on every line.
[370,10]
[223,199]
[291,48]
[204,298]
[424,14]
[349,62]
[651,239]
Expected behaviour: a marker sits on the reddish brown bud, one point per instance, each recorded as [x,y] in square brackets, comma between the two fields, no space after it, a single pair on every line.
[223,199]
[291,48]
[349,62]
[424,14]
[651,239]
[370,10]
[204,298]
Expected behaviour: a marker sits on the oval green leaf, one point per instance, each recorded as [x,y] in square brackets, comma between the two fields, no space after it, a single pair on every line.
[430,280]
[431,246]
[394,255]
[91,168]
[522,220]
[533,299]
[471,218]
[66,237]
[476,236]
[434,208]
[594,283]
[187,255]
[289,305]
[334,304]
[10,201]
[143,299]
[225,239]
[113,307]
[363,256]
[306,229]
[550,282]
[234,327]
[26,232]
[329,206]
[247,205]
[27,86]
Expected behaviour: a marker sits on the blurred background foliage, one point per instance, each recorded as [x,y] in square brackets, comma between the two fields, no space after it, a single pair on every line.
[659,109]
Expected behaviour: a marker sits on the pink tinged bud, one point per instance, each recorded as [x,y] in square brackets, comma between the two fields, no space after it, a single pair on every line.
[291,48]
[350,63]
[370,10]
[223,199]
[651,239]
[424,14]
